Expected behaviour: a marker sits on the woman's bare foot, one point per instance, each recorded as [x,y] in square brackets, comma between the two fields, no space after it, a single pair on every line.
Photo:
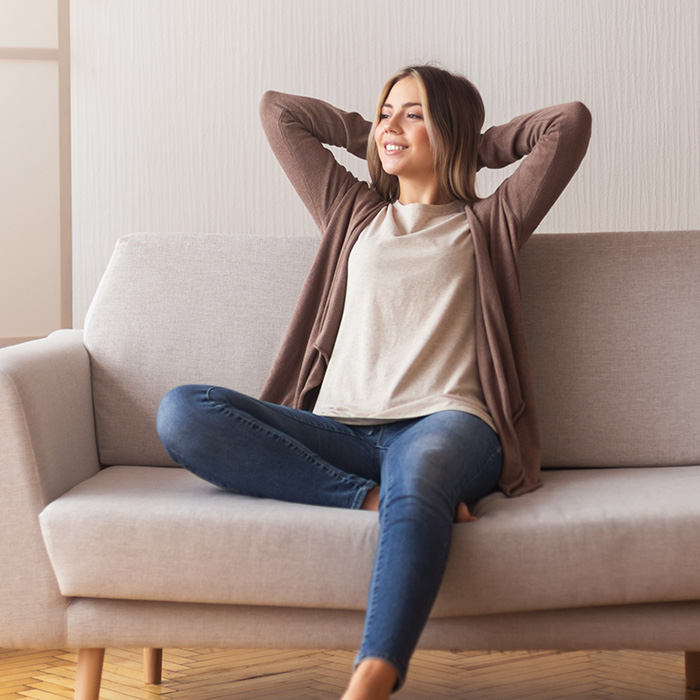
[463,515]
[373,679]
[371,501]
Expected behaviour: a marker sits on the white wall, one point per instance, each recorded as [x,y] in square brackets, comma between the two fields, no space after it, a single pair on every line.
[165,93]
[34,296]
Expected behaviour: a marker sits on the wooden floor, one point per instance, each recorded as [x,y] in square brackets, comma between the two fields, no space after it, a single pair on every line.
[206,674]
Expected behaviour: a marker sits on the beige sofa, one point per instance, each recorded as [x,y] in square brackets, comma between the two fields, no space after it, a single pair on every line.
[105,542]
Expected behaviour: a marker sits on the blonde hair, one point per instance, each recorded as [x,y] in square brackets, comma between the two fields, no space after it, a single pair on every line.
[454,114]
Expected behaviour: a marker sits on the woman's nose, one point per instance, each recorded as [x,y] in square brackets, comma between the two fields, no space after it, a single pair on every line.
[391,125]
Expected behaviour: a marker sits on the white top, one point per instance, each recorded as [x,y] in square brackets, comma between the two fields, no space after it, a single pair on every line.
[406,345]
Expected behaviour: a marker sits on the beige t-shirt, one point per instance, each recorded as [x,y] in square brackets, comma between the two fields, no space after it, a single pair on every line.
[405,347]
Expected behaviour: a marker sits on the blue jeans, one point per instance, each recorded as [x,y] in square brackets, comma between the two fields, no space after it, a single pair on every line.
[425,467]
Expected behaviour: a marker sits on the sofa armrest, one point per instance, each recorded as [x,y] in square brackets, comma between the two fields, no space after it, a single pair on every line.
[47,446]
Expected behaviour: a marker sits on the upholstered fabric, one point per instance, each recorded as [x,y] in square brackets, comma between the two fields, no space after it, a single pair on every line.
[656,626]
[184,308]
[47,446]
[611,320]
[587,538]
[46,397]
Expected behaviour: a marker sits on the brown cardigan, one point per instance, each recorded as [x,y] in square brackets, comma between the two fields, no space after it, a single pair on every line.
[555,141]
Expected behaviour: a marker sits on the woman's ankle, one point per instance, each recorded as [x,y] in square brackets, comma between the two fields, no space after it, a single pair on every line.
[373,679]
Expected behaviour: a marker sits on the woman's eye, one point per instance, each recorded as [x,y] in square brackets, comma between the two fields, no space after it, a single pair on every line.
[413,115]
[383,116]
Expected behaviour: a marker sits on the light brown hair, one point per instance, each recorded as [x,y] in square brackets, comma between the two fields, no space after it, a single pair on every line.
[454,114]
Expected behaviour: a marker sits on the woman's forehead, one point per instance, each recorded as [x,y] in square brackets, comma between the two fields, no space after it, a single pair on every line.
[404,92]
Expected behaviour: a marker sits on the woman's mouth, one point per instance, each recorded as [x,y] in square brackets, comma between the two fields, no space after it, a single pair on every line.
[394,148]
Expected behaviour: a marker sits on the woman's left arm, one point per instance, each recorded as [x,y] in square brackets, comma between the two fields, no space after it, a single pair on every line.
[554,140]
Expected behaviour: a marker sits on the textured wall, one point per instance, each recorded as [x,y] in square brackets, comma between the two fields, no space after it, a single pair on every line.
[165,93]
[30,162]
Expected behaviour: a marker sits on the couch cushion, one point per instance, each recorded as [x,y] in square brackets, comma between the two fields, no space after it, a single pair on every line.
[613,321]
[611,318]
[588,538]
[184,308]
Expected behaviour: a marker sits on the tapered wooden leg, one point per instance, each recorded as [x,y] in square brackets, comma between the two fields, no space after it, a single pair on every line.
[692,670]
[89,674]
[152,666]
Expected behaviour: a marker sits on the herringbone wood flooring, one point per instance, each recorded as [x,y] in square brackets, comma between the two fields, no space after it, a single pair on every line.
[206,674]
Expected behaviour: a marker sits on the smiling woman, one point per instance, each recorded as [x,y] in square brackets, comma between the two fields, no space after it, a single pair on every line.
[403,143]
[416,102]
[402,384]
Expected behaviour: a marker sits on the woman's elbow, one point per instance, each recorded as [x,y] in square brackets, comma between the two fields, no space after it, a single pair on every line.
[581,117]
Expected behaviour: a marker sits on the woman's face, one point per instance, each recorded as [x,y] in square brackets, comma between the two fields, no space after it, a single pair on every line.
[402,137]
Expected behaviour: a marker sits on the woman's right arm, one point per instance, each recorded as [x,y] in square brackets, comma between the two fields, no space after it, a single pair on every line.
[297,129]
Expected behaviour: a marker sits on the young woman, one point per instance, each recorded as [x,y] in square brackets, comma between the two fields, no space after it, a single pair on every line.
[403,383]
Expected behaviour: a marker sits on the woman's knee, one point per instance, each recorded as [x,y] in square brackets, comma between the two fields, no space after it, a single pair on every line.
[428,474]
[450,452]
[176,411]
[427,464]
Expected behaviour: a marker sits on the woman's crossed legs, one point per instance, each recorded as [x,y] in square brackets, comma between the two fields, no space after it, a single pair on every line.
[426,467]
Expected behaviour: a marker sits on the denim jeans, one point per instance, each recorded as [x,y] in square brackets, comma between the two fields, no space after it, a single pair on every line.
[425,467]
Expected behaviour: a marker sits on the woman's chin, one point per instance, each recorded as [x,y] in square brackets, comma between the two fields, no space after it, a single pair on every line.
[396,172]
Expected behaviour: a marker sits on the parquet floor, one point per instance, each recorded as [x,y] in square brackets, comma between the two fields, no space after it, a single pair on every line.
[207,674]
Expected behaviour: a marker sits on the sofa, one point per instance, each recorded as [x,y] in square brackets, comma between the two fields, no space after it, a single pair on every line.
[105,542]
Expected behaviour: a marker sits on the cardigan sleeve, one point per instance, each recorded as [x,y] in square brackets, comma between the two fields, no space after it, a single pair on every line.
[555,141]
[297,129]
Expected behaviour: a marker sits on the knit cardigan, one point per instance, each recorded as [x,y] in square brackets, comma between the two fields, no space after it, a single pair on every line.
[553,139]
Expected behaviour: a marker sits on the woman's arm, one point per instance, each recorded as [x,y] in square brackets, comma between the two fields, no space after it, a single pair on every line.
[297,129]
[554,140]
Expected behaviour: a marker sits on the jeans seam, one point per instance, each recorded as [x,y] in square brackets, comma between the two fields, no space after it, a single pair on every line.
[380,556]
[371,613]
[496,450]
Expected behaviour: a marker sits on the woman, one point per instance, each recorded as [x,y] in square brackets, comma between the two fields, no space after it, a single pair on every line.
[403,383]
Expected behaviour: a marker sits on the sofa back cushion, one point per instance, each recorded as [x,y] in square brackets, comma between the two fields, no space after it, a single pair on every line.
[177,309]
[612,319]
[613,325]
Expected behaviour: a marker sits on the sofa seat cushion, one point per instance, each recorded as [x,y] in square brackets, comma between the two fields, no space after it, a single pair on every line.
[587,538]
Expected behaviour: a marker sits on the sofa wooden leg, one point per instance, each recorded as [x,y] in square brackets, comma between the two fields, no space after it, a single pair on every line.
[89,674]
[692,670]
[152,666]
